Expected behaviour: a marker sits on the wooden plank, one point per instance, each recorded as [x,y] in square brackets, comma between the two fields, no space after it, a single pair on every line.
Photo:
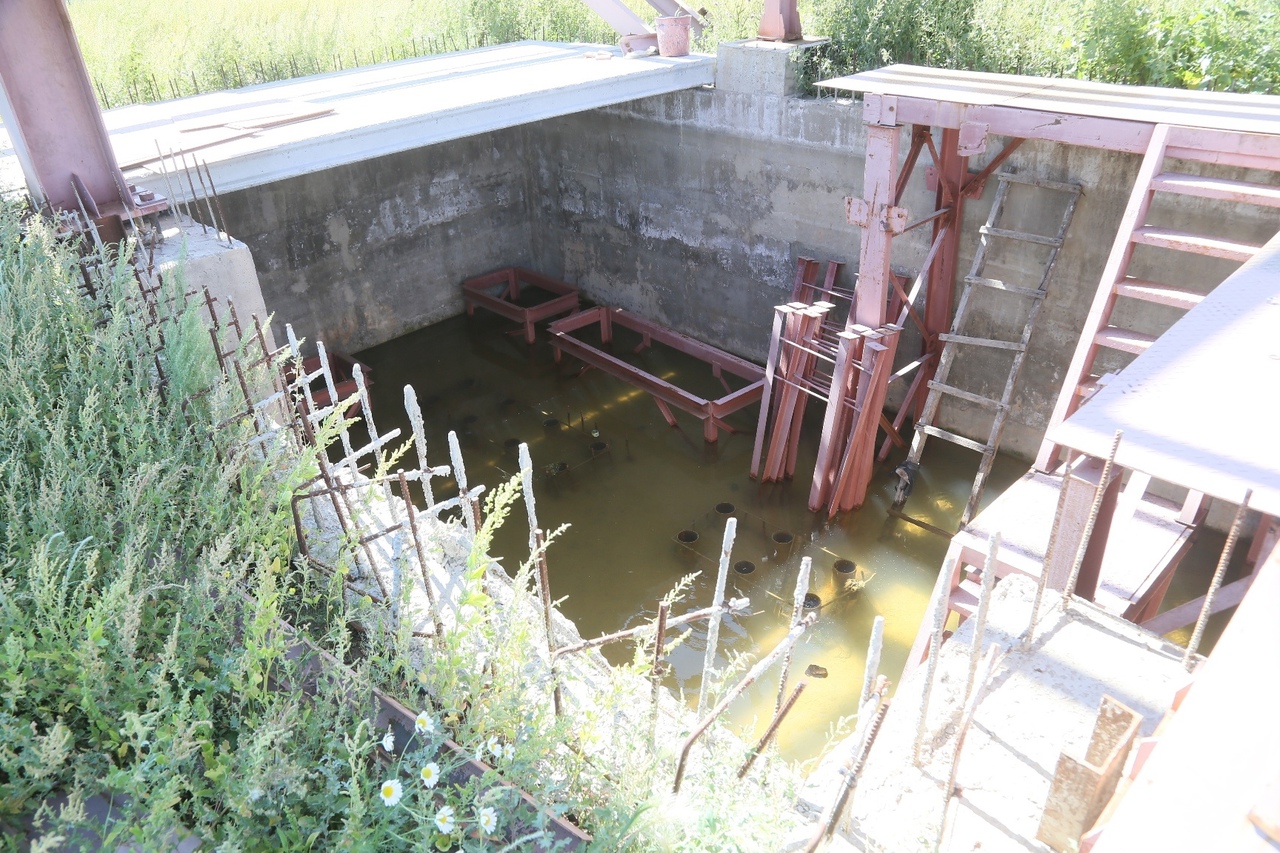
[934,431]
[1023,236]
[996,284]
[983,342]
[967,395]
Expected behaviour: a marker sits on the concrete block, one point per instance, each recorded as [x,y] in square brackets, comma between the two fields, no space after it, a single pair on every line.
[227,270]
[761,67]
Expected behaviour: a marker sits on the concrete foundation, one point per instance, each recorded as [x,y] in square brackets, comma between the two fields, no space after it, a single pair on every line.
[211,260]
[1038,703]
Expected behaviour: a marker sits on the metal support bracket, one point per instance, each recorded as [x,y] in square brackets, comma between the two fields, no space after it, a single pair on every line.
[887,217]
[880,109]
[973,138]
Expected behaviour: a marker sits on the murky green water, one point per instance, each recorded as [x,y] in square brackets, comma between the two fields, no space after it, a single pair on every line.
[645,482]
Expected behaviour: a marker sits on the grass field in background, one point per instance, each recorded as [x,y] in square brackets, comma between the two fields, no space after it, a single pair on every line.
[146,51]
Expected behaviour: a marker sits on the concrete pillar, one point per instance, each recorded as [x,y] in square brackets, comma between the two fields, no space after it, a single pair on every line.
[227,271]
[757,67]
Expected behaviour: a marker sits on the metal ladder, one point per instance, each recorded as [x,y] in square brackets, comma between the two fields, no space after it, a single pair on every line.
[938,387]
[1100,329]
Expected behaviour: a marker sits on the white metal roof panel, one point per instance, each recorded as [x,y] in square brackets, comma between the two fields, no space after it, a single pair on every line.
[1201,407]
[269,132]
[1148,104]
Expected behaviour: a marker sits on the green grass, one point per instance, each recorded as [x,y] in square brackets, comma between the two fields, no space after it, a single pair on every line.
[133,664]
[1221,46]
[145,51]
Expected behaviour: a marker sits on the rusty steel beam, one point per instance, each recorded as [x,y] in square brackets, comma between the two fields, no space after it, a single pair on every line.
[48,105]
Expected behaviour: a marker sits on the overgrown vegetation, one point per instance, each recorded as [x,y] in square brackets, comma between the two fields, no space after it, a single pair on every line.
[134,666]
[150,51]
[1229,46]
[130,663]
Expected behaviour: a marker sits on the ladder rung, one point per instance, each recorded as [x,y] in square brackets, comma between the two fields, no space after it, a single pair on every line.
[1205,187]
[1017,346]
[967,395]
[1020,235]
[1161,294]
[929,429]
[1214,247]
[1039,182]
[1126,340]
[996,284]
[963,599]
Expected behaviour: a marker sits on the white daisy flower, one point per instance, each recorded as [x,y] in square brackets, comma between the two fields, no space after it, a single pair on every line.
[389,741]
[445,821]
[488,820]
[430,774]
[509,752]
[494,746]
[424,724]
[391,792]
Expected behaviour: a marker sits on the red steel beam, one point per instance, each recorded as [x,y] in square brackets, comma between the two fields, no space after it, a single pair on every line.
[52,114]
[941,279]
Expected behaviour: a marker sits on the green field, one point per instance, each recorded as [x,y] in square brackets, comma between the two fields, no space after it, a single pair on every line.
[148,51]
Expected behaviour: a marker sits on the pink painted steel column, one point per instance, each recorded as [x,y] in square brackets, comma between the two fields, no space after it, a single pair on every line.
[57,127]
[879,186]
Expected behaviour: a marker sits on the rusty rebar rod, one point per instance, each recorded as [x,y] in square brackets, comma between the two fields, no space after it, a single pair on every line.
[470,506]
[208,205]
[984,606]
[1098,493]
[797,613]
[972,697]
[1223,560]
[871,670]
[187,171]
[659,647]
[778,717]
[784,646]
[420,441]
[1049,551]
[734,605]
[422,557]
[544,592]
[526,486]
[853,768]
[713,628]
[941,611]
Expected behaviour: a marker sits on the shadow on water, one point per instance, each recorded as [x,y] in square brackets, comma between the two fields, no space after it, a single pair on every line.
[648,504]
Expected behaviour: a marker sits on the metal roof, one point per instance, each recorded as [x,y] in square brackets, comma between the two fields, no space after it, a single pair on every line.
[1146,104]
[1201,407]
[269,132]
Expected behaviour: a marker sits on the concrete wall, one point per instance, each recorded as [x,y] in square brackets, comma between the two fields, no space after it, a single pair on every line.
[364,253]
[691,209]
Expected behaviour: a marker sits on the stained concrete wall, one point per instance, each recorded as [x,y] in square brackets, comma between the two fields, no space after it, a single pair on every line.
[691,209]
[364,253]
